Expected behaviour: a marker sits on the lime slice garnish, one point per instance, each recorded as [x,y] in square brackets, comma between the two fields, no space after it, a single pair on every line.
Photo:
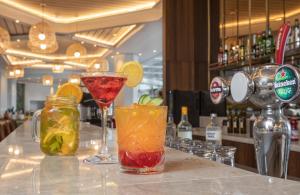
[144,99]
[156,102]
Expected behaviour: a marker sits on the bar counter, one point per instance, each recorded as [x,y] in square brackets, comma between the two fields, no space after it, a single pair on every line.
[25,170]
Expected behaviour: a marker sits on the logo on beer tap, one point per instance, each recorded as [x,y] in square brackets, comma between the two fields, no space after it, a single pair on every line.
[216,90]
[286,83]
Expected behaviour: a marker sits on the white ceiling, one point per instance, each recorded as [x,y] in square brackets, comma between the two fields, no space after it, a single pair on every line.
[141,31]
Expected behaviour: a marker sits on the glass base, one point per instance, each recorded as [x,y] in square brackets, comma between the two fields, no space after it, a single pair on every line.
[143,171]
[101,159]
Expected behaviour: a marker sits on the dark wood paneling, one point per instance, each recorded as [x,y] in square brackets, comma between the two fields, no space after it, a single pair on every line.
[186,43]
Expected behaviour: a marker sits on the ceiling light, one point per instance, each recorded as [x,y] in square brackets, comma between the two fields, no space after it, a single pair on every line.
[42,36]
[11,73]
[18,40]
[74,78]
[97,66]
[17,21]
[57,68]
[43,46]
[140,54]
[117,53]
[82,42]
[112,56]
[15,52]
[114,41]
[76,50]
[154,51]
[47,80]
[77,54]
[19,72]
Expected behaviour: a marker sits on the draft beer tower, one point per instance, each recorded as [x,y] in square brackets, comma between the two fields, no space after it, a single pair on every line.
[269,87]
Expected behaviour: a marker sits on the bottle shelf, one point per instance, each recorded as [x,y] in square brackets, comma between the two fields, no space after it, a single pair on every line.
[255,62]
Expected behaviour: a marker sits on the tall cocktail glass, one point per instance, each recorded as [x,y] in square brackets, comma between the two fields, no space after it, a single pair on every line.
[141,131]
[104,87]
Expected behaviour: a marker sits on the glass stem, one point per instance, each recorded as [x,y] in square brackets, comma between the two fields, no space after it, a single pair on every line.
[104,148]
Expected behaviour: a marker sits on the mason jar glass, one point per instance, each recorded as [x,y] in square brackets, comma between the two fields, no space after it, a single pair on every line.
[59,126]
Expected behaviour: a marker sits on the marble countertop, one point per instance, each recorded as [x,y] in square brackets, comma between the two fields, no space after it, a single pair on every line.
[295,146]
[25,170]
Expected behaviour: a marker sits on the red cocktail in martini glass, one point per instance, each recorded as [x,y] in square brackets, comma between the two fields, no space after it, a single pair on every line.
[104,88]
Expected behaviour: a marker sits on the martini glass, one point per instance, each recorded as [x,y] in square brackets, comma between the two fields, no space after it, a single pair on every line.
[104,88]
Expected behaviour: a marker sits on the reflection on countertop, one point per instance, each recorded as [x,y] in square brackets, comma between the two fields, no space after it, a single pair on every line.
[25,170]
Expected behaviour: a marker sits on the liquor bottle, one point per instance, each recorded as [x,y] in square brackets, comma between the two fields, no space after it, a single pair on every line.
[225,55]
[297,34]
[236,53]
[263,44]
[254,47]
[242,50]
[213,131]
[270,46]
[171,126]
[235,122]
[294,126]
[259,45]
[242,123]
[184,129]
[231,54]
[229,121]
[220,56]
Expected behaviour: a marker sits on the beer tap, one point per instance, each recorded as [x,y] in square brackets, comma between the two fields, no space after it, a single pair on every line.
[263,88]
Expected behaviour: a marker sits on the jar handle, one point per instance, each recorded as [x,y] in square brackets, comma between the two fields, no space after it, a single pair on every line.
[35,119]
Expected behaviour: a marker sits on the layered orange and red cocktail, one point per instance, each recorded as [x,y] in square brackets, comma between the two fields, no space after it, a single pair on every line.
[141,133]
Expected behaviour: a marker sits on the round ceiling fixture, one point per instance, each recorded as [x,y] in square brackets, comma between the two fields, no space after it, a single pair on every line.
[42,38]
[4,40]
[57,68]
[74,78]
[76,50]
[47,80]
[101,65]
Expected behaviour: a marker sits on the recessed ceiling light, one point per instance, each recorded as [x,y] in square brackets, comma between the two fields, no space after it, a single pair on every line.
[154,51]
[18,40]
[17,21]
[82,42]
[95,45]
[140,54]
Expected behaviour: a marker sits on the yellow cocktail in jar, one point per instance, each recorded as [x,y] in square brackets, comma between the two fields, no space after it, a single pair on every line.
[59,126]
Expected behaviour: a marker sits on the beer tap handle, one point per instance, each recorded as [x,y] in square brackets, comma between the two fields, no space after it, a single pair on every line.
[281,40]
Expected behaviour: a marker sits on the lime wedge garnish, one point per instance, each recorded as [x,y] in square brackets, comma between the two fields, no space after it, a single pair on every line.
[144,99]
[156,102]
